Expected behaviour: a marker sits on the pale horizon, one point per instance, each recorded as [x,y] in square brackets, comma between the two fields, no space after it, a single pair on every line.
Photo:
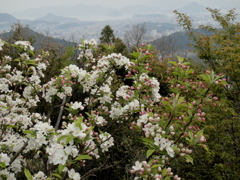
[10,6]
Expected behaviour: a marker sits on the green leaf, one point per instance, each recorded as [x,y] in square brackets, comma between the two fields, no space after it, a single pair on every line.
[61,167]
[28,174]
[180,100]
[199,133]
[69,138]
[150,162]
[105,46]
[180,59]
[186,63]
[189,71]
[128,78]
[173,63]
[150,114]
[82,41]
[89,130]
[61,138]
[164,172]
[189,158]
[206,148]
[78,123]
[176,73]
[135,55]
[205,77]
[223,82]
[31,52]
[155,166]
[189,110]
[29,132]
[2,164]
[82,157]
[167,178]
[149,152]
[150,47]
[57,175]
[148,140]
[190,134]
[31,62]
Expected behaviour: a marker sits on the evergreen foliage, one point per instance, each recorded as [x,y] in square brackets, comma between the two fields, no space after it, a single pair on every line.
[107,35]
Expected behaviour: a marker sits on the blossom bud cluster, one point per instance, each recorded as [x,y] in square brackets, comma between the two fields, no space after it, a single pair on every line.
[79,136]
[26,45]
[59,145]
[144,170]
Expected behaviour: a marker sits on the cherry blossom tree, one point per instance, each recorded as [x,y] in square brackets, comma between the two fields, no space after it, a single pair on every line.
[41,145]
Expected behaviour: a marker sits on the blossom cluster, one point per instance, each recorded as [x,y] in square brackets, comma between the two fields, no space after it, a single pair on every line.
[62,144]
[68,141]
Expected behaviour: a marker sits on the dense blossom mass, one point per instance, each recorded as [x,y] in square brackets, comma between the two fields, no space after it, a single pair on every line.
[65,148]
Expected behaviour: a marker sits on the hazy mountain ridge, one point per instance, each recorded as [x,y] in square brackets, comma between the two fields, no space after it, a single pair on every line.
[38,37]
[6,20]
[114,14]
[87,11]
[67,24]
[61,19]
[67,11]
[181,38]
[4,17]
[193,8]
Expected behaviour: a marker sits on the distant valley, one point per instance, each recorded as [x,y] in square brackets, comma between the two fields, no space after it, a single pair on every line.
[86,22]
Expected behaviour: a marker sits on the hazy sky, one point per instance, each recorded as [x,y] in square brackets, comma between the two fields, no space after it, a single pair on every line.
[9,6]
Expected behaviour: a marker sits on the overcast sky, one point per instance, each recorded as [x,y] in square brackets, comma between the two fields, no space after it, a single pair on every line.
[8,6]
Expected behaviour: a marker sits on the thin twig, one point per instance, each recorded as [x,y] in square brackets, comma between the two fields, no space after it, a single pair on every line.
[19,152]
[60,113]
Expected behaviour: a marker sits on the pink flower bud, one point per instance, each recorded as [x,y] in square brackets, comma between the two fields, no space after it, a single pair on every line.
[207,71]
[169,169]
[180,145]
[182,154]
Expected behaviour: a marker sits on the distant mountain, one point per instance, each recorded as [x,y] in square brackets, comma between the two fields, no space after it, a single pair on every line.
[39,38]
[85,12]
[78,11]
[53,18]
[114,14]
[6,20]
[4,17]
[160,3]
[180,39]
[138,9]
[166,6]
[193,8]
